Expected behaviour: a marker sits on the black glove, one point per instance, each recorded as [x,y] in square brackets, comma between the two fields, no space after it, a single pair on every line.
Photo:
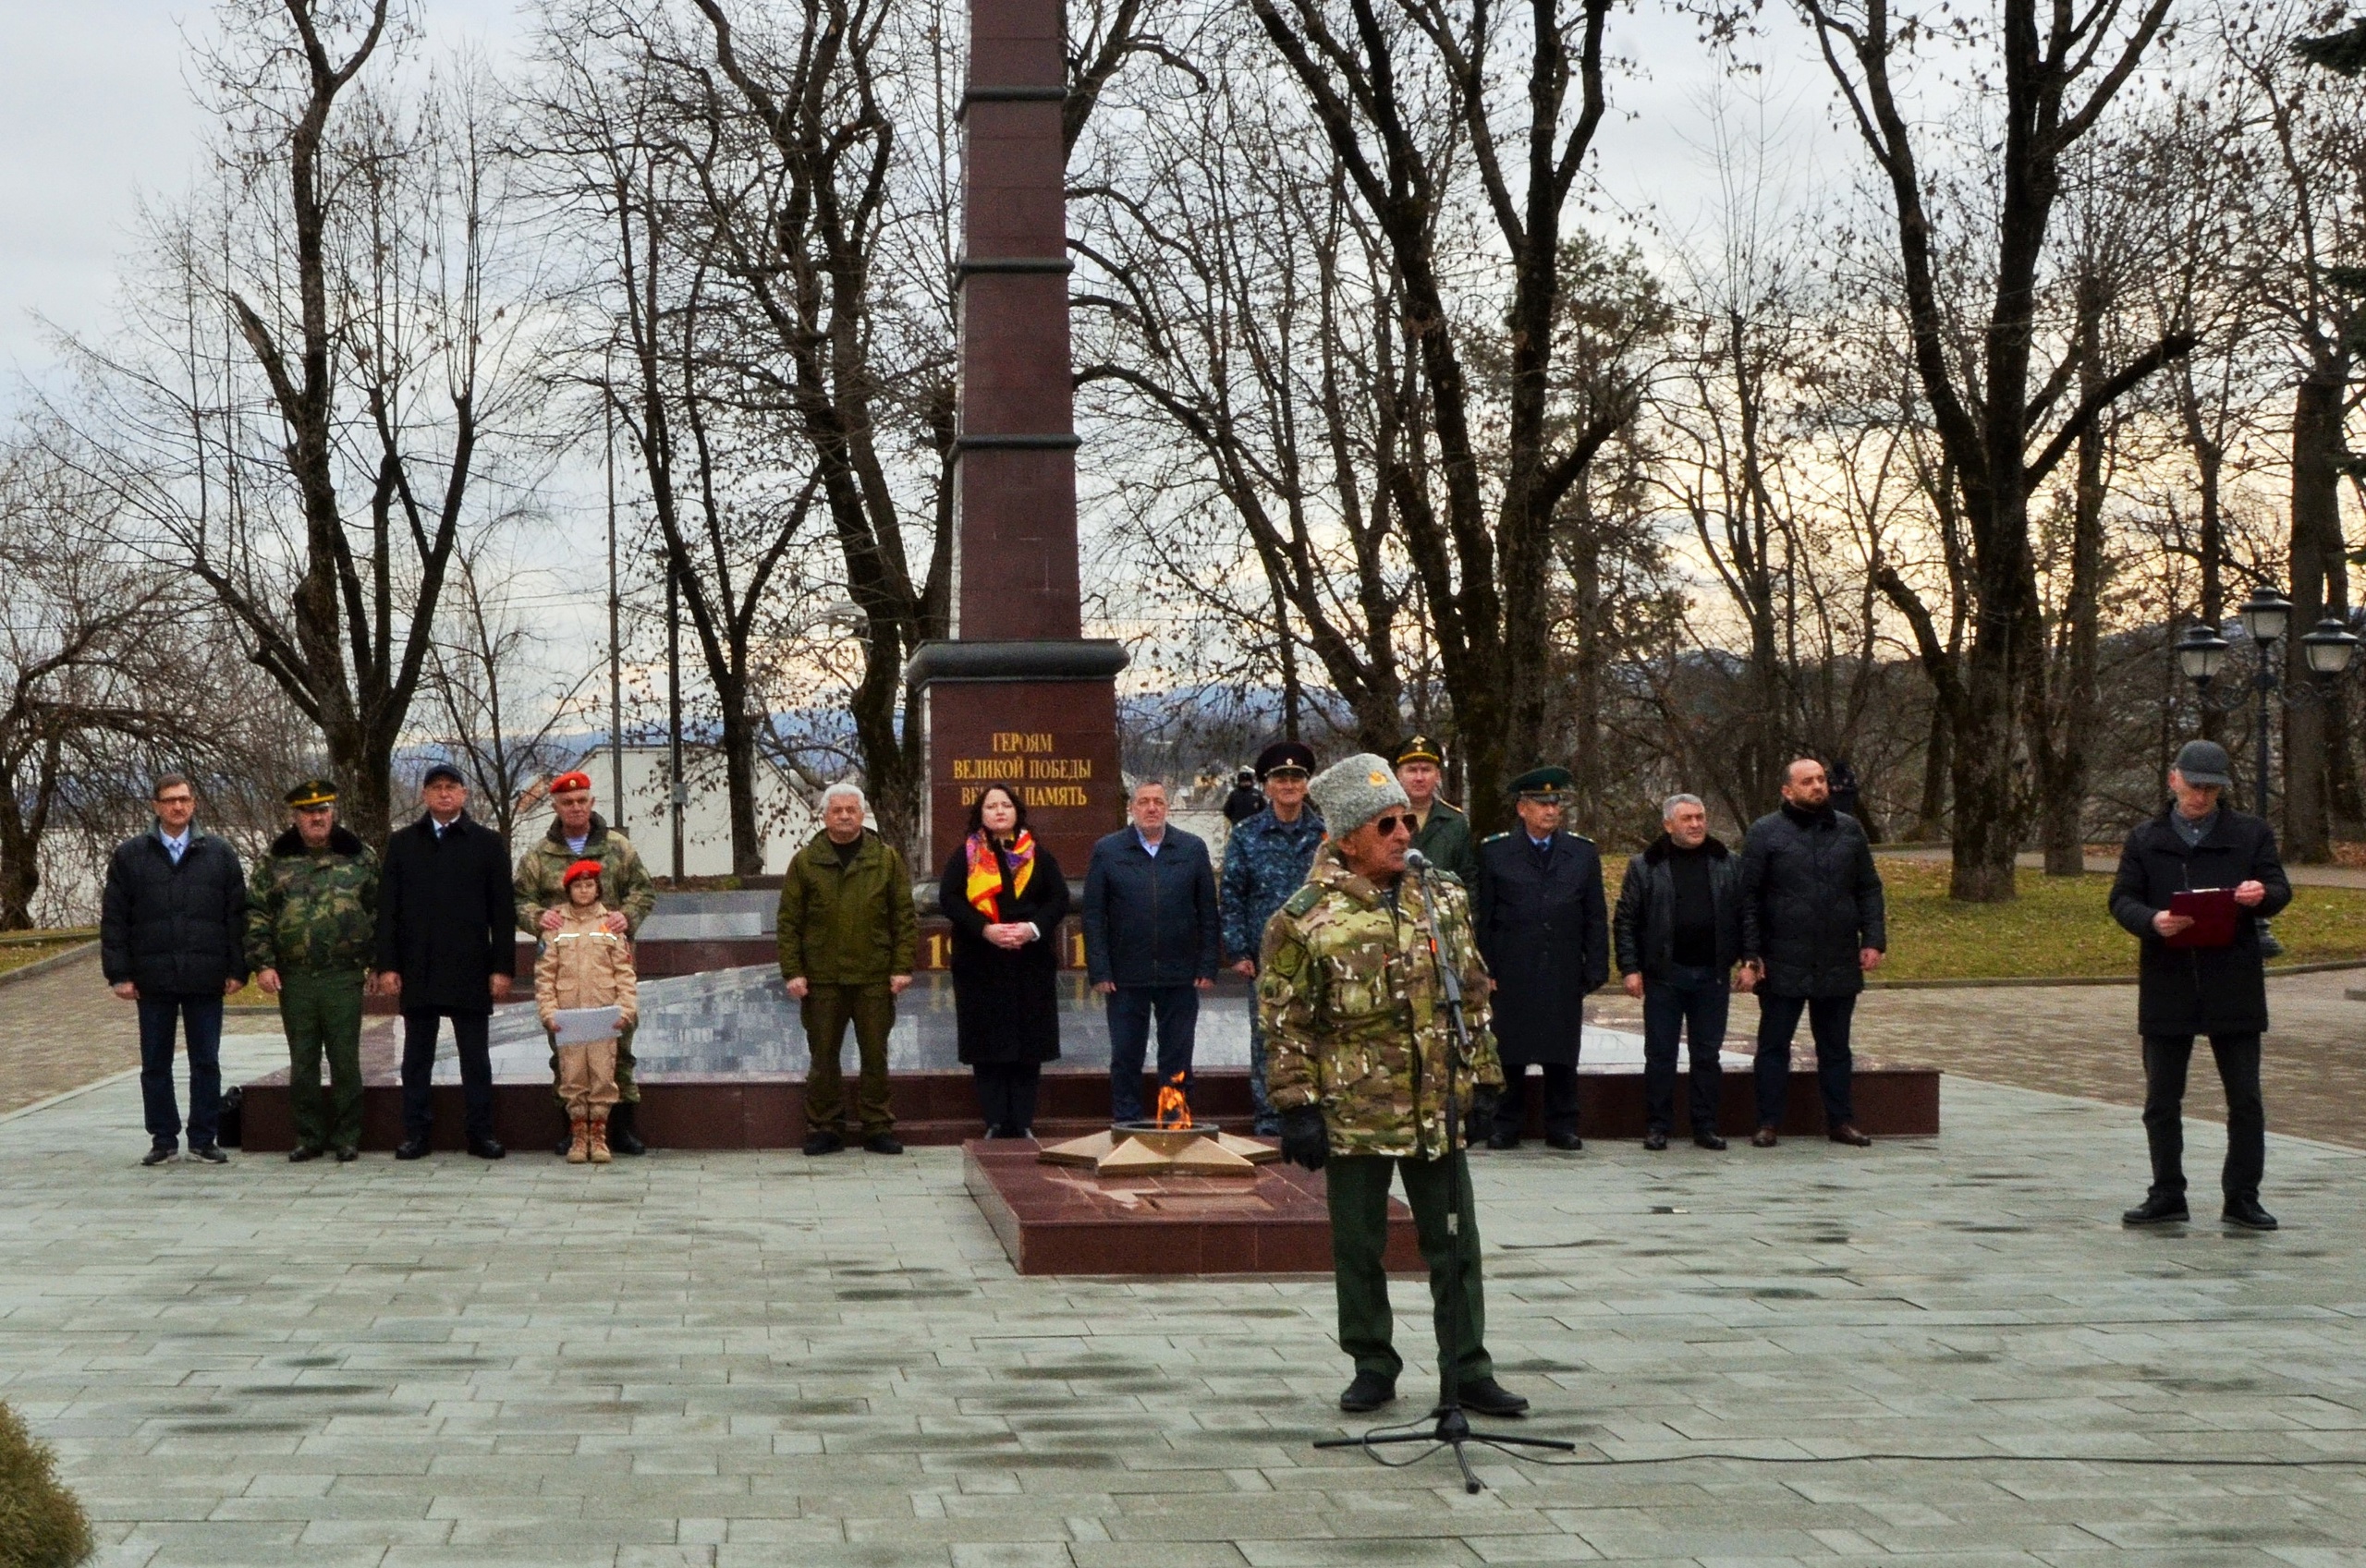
[1305,1140]
[1484,1098]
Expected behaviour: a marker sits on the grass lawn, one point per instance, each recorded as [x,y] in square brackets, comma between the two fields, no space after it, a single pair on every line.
[2059,926]
[25,947]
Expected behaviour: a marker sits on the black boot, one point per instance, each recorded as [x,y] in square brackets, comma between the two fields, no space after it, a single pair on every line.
[622,1139]
[565,1131]
[2161,1208]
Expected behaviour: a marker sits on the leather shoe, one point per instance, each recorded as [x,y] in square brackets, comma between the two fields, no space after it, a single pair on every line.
[347,1154]
[1655,1140]
[883,1143]
[624,1135]
[212,1154]
[1503,1140]
[1368,1392]
[1762,1138]
[1708,1140]
[299,1154]
[2159,1211]
[2246,1212]
[158,1153]
[824,1143]
[411,1148]
[1487,1397]
[487,1149]
[1846,1133]
[1567,1143]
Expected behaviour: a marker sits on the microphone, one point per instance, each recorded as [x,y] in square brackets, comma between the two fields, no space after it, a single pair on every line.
[1416,862]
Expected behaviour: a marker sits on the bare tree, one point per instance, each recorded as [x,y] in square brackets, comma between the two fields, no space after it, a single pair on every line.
[308,403]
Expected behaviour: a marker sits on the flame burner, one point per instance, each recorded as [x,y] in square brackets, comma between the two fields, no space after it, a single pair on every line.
[1169,1145]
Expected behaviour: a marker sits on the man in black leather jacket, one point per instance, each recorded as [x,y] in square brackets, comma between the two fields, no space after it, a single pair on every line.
[1812,926]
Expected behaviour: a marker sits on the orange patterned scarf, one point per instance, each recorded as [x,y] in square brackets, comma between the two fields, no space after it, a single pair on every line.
[985,871]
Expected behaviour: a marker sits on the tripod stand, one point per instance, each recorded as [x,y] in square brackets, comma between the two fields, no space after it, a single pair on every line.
[1452,1428]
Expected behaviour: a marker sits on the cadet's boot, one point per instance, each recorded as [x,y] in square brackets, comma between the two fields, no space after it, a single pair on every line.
[566,1139]
[578,1141]
[600,1155]
[623,1136]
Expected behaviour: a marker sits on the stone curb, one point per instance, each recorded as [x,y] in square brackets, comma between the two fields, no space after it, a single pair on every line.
[43,966]
[2019,982]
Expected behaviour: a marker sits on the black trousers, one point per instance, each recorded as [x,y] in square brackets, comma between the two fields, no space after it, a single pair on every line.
[1828,1020]
[1560,1099]
[1006,1095]
[2167,1058]
[469,1038]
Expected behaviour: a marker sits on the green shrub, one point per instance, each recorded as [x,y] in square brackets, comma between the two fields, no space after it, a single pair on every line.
[41,1525]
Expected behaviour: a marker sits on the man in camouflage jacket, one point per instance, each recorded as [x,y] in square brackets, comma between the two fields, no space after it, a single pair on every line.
[1362,1059]
[311,922]
[578,832]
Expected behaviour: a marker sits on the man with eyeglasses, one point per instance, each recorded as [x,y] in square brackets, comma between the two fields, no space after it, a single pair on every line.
[1363,1063]
[1545,927]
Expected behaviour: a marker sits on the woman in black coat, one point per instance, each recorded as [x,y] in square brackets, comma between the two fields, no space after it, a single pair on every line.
[1005,897]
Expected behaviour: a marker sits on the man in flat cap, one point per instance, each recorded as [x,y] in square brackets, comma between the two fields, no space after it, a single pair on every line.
[1813,925]
[447,950]
[1440,830]
[2208,981]
[1544,929]
[578,832]
[1265,861]
[1364,1065]
[311,922]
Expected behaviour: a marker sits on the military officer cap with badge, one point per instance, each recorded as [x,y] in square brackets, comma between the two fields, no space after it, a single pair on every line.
[566,784]
[1549,785]
[1286,757]
[311,793]
[1420,749]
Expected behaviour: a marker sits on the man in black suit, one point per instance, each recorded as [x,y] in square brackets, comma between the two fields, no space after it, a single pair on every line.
[1545,934]
[446,949]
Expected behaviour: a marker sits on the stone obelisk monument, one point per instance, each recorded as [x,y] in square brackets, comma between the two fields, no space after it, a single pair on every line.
[1018,695]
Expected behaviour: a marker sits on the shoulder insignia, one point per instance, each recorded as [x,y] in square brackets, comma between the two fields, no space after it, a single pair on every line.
[1579,837]
[1302,900]
[1493,837]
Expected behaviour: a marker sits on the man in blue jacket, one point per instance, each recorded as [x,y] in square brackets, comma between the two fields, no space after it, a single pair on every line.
[1265,861]
[1150,942]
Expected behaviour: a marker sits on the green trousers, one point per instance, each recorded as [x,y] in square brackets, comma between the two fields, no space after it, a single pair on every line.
[321,1013]
[627,1092]
[826,1011]
[1358,1193]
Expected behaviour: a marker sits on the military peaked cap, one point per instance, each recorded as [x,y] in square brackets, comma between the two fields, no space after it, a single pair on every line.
[1543,784]
[1419,748]
[1285,754]
[312,791]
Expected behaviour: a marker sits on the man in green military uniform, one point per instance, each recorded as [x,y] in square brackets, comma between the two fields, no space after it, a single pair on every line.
[311,921]
[1361,1058]
[579,833]
[1440,830]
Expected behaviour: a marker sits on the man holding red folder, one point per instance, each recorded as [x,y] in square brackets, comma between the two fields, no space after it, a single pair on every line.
[2194,883]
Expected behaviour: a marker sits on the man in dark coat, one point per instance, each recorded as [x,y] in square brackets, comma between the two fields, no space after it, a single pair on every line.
[1541,926]
[1678,933]
[1265,861]
[173,938]
[1150,944]
[446,949]
[2219,991]
[1812,923]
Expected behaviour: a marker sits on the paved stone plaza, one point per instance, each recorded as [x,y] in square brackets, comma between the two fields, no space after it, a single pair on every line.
[759,1358]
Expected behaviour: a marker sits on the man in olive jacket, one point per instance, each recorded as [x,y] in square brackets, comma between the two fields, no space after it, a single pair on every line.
[1813,925]
[311,922]
[848,936]
[2218,991]
[172,938]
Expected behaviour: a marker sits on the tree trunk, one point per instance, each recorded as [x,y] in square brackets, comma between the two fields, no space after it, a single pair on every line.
[2063,826]
[1931,815]
[2317,566]
[739,739]
[19,859]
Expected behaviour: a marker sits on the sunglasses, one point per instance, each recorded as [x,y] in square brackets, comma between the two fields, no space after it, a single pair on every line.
[1389,825]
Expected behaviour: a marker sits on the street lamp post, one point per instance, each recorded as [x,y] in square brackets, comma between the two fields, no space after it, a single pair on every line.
[2266,616]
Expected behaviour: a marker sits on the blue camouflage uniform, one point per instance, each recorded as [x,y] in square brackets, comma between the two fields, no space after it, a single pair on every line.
[1265,861]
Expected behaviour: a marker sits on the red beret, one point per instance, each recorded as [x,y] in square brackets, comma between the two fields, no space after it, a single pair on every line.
[565,781]
[581,869]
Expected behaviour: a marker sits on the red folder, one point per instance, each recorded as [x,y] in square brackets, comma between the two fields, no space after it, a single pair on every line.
[2213,911]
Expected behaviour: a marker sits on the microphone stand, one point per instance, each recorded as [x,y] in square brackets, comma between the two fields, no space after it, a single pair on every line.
[1452,1428]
